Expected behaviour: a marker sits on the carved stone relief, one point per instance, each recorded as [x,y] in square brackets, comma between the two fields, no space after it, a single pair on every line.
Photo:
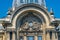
[31,23]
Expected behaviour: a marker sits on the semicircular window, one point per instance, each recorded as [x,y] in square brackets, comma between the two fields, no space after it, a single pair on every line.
[30,21]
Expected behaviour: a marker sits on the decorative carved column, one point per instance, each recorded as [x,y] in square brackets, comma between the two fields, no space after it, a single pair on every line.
[48,36]
[8,36]
[13,36]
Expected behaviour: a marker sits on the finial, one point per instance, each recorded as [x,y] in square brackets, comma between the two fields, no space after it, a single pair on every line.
[14,5]
[51,11]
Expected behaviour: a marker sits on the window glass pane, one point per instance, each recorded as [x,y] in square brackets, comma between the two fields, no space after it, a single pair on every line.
[10,35]
[30,38]
[50,35]
[31,1]
[27,1]
[21,37]
[39,37]
[36,1]
[58,37]
[21,1]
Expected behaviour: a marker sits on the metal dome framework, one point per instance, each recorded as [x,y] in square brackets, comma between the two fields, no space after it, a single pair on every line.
[17,3]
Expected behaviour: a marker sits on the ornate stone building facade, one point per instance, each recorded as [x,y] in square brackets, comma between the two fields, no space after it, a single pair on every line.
[29,20]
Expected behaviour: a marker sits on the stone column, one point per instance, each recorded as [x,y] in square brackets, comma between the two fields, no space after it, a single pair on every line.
[48,36]
[8,36]
[53,35]
[13,36]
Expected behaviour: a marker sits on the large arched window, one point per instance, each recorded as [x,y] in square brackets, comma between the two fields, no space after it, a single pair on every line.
[30,21]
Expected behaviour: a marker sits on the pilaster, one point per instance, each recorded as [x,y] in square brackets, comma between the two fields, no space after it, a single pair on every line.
[13,36]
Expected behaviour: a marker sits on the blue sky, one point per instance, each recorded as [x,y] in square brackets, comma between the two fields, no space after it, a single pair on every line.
[6,4]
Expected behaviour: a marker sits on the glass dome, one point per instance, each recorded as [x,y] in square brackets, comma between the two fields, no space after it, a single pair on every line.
[17,3]
[20,2]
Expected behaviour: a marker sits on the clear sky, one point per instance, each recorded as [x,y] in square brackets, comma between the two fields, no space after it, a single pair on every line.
[6,4]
